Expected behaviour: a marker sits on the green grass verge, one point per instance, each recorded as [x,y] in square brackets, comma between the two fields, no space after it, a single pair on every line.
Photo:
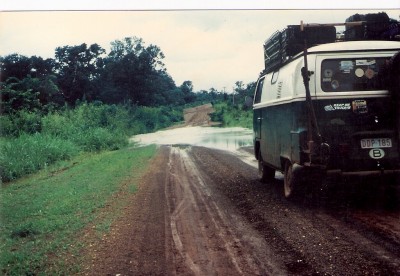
[42,214]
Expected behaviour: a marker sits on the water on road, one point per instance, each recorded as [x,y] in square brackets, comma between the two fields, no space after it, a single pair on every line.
[229,139]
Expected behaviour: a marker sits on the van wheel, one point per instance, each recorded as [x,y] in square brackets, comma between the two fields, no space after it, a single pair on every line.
[290,181]
[264,172]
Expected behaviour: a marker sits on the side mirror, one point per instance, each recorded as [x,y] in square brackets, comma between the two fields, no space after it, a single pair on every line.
[248,101]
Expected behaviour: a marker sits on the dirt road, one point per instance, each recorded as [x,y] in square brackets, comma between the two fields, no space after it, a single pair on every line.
[201,211]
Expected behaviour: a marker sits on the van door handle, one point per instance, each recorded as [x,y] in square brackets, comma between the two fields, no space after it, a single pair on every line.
[259,119]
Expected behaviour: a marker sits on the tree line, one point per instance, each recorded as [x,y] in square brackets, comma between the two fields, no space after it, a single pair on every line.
[84,100]
[131,73]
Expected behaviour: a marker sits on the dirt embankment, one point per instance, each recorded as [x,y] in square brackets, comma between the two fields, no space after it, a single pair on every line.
[199,115]
[200,211]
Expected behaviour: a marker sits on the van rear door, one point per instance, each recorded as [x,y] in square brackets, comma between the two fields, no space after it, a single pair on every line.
[355,113]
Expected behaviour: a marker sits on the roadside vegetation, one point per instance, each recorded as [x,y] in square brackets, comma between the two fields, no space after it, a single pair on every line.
[32,141]
[233,115]
[44,214]
[65,124]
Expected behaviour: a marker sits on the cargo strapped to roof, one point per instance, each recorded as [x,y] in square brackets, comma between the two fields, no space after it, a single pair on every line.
[376,26]
[285,44]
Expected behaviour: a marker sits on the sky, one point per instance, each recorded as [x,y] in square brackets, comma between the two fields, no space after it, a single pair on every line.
[213,48]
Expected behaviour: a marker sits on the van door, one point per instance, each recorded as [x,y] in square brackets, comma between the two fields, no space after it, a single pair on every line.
[257,115]
[355,113]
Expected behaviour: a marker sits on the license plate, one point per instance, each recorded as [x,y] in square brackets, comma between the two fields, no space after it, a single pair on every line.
[376,143]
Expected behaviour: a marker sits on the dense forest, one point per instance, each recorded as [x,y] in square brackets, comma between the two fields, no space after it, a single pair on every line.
[86,100]
[130,73]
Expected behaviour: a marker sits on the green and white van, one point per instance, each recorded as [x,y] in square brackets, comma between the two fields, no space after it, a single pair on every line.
[347,122]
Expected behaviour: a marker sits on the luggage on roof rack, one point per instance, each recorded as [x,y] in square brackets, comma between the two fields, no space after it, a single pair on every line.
[376,26]
[393,31]
[283,45]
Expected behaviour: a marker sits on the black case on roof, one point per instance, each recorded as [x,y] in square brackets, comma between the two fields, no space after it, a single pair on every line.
[283,45]
[376,26]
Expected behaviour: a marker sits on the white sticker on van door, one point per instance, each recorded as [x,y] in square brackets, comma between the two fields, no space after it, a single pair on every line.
[338,106]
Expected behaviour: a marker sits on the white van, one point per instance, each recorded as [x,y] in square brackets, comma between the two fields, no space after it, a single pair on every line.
[346,124]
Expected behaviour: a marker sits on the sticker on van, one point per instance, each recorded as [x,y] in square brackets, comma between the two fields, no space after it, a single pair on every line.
[338,106]
[346,66]
[376,153]
[365,62]
[360,106]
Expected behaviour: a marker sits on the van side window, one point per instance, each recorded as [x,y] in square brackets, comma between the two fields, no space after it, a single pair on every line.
[257,97]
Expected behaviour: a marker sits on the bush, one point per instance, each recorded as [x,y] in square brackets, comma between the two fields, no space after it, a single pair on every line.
[6,126]
[30,153]
[232,115]
[91,127]
[57,125]
[149,119]
[35,140]
[21,122]
[97,139]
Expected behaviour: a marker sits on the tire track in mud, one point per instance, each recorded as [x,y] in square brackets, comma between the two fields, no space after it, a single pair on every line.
[209,238]
[201,211]
[310,237]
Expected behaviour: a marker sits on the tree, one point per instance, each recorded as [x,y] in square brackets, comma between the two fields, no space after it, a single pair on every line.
[242,92]
[77,67]
[28,83]
[135,73]
[17,95]
[186,87]
[15,66]
[131,73]
[187,90]
[19,66]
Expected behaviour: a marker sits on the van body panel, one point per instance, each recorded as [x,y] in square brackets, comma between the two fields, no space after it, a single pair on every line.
[282,128]
[344,127]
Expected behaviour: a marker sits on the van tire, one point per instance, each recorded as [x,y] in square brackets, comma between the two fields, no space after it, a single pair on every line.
[264,172]
[291,181]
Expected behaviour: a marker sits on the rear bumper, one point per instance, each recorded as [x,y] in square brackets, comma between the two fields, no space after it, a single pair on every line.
[362,173]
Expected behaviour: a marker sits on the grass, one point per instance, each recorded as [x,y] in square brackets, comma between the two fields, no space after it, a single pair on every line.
[30,153]
[41,215]
[31,141]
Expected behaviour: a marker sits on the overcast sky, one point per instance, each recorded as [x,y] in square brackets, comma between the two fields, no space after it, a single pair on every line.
[211,48]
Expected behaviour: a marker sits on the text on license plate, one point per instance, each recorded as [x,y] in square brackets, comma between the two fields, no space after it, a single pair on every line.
[376,143]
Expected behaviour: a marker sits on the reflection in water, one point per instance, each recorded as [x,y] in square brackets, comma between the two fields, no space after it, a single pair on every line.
[212,137]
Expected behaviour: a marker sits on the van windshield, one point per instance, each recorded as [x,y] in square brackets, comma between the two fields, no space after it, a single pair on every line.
[354,74]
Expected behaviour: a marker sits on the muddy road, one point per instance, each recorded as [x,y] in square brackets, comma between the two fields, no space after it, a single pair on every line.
[201,211]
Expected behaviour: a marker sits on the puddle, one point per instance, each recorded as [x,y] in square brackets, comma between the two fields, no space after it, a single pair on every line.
[229,139]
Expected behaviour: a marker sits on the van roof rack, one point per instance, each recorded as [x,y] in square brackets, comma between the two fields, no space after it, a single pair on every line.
[284,45]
